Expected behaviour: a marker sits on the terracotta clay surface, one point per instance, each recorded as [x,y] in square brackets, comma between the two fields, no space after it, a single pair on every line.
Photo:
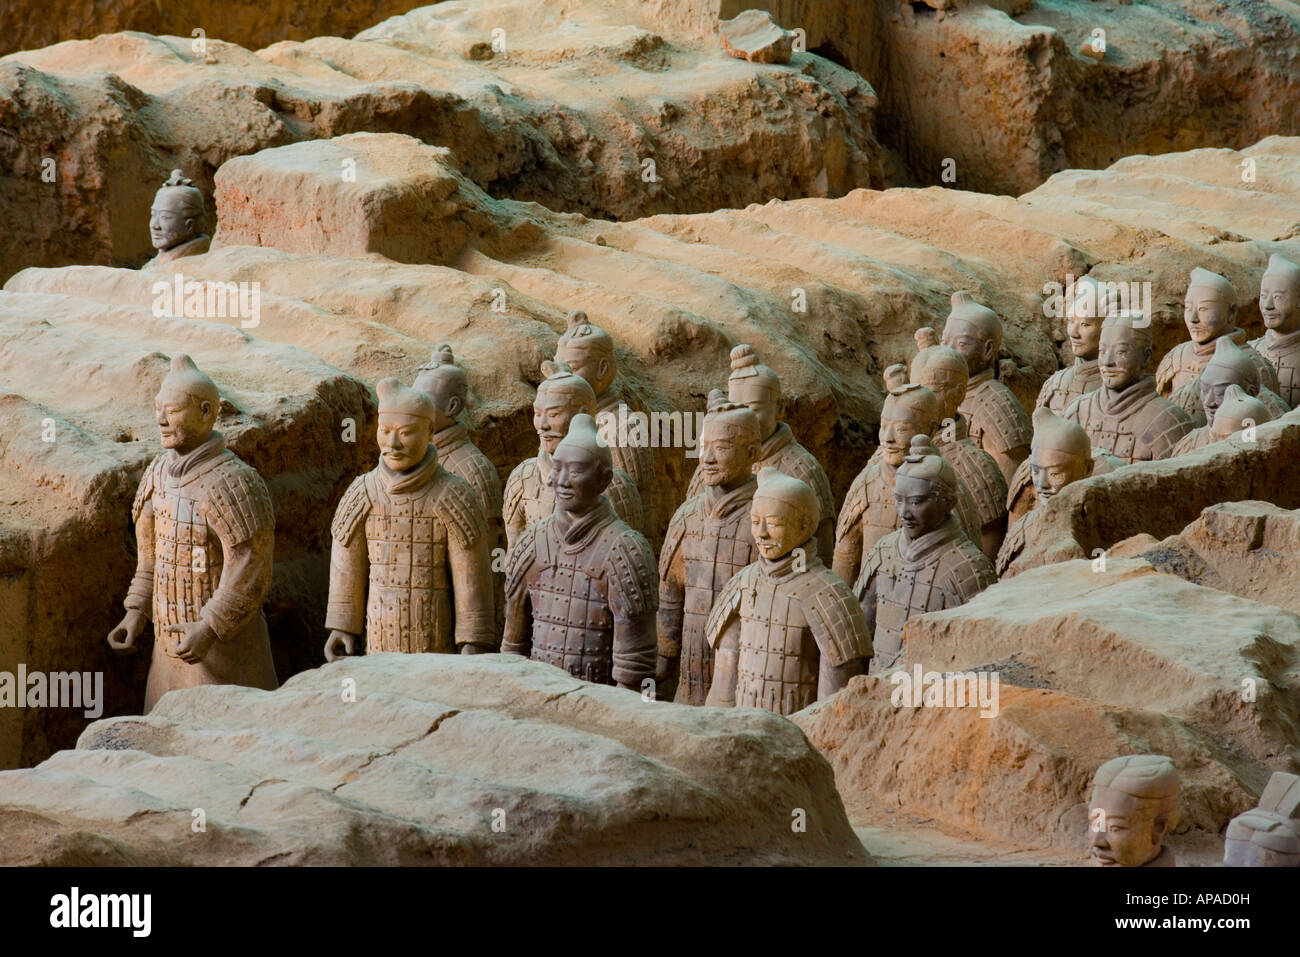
[577,774]
[1091,664]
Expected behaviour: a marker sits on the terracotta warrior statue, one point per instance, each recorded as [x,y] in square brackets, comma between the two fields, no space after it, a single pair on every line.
[998,423]
[1260,838]
[1228,368]
[1125,416]
[205,532]
[1208,312]
[708,542]
[1059,456]
[580,583]
[869,512]
[410,566]
[1093,301]
[176,221]
[1132,808]
[786,630]
[753,384]
[928,564]
[943,371]
[529,496]
[589,352]
[1279,304]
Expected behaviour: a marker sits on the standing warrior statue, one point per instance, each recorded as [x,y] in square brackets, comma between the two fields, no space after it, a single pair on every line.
[928,564]
[786,630]
[528,495]
[176,221]
[205,529]
[1125,416]
[943,371]
[753,384]
[1208,311]
[589,352]
[869,512]
[580,583]
[708,542]
[1279,304]
[997,421]
[410,564]
[1093,301]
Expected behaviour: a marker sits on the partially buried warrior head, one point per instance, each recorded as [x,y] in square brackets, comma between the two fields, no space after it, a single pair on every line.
[177,213]
[1133,806]
[1059,455]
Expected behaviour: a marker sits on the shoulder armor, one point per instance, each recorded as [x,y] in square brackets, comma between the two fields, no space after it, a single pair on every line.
[632,565]
[625,499]
[1049,387]
[835,617]
[459,508]
[673,537]
[144,492]
[513,497]
[797,462]
[855,502]
[1167,368]
[1274,403]
[726,603]
[970,571]
[982,478]
[874,561]
[239,504]
[477,469]
[351,512]
[1021,479]
[1267,373]
[1003,417]
[522,558]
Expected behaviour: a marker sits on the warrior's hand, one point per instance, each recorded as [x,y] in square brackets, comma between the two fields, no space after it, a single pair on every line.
[338,645]
[190,641]
[122,638]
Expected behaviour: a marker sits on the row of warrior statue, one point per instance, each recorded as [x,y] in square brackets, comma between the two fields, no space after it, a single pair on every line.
[740,608]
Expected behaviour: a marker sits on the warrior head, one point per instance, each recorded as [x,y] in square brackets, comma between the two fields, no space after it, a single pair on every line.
[1279,295]
[753,384]
[187,404]
[582,467]
[177,212]
[1208,306]
[729,442]
[1093,301]
[560,396]
[405,424]
[973,330]
[909,410]
[1125,349]
[446,385]
[1059,454]
[1134,804]
[942,370]
[1228,366]
[783,515]
[1261,838]
[925,489]
[588,350]
[1238,411]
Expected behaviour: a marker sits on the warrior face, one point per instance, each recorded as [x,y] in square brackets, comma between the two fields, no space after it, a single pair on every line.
[1207,314]
[922,507]
[1085,335]
[1125,831]
[553,410]
[726,456]
[760,397]
[184,422]
[1054,469]
[1122,357]
[1278,301]
[586,362]
[968,339]
[579,479]
[1214,382]
[403,439]
[171,220]
[898,423]
[778,526]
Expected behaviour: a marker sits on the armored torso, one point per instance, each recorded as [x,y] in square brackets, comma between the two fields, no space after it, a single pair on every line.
[789,619]
[711,535]
[1135,425]
[1283,353]
[940,570]
[581,580]
[1065,385]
